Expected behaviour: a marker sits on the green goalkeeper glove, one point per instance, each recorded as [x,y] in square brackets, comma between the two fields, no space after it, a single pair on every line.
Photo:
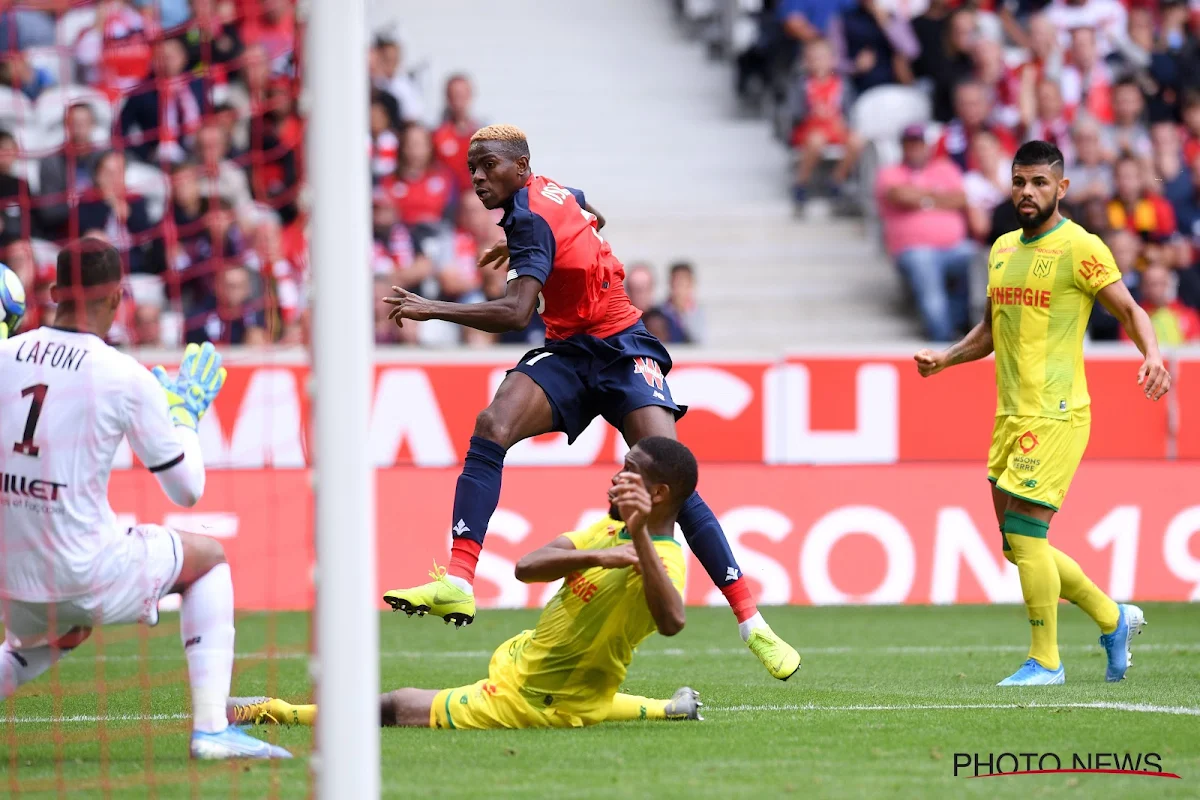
[200,379]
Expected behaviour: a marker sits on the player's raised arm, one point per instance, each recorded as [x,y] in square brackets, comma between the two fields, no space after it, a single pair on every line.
[1153,376]
[975,345]
[510,313]
[162,427]
[559,558]
[663,599]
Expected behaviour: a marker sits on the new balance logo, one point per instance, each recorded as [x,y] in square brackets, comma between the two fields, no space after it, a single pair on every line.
[648,368]
[731,574]
[460,528]
[192,641]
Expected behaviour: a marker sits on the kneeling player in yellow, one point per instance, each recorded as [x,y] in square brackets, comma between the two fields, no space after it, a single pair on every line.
[622,582]
[1042,283]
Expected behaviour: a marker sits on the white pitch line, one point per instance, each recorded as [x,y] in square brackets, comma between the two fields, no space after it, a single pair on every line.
[1141,708]
[676,652]
[1137,708]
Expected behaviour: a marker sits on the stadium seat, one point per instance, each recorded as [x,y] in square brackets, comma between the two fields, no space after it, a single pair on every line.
[53,61]
[72,24]
[883,112]
[150,183]
[52,105]
[15,109]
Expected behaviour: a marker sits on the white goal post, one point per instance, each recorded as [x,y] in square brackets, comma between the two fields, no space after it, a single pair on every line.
[346,661]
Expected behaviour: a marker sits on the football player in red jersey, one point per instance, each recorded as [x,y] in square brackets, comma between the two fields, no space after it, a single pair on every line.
[598,360]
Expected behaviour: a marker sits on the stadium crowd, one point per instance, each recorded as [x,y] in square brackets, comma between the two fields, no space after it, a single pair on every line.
[170,128]
[1114,84]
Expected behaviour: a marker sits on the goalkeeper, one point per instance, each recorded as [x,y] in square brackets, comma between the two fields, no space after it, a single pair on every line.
[69,400]
[622,582]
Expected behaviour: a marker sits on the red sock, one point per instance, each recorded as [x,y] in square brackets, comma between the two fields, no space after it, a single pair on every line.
[464,556]
[739,598]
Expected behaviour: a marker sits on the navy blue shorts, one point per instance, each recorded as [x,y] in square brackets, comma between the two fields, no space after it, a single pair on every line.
[585,377]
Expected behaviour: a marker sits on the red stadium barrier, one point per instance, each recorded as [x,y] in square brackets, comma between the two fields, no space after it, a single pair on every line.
[866,534]
[816,410]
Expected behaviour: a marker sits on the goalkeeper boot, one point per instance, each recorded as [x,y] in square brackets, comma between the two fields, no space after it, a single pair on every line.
[684,704]
[1032,673]
[439,597]
[1116,644]
[779,657]
[232,743]
[265,711]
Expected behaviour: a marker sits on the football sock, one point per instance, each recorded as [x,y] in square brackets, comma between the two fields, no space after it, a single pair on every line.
[475,499]
[1077,588]
[1039,584]
[19,667]
[711,548]
[747,626]
[301,715]
[631,706]
[206,628]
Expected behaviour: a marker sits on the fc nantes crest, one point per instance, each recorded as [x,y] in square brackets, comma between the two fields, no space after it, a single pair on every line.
[1041,267]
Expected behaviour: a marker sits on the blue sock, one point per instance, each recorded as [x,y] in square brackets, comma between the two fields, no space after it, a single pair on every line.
[475,499]
[708,542]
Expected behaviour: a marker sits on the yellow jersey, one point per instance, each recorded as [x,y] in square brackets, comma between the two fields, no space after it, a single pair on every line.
[1042,292]
[585,637]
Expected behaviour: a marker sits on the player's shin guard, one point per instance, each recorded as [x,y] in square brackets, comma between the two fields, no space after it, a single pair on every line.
[19,667]
[1039,584]
[711,548]
[1076,587]
[206,627]
[631,706]
[475,499]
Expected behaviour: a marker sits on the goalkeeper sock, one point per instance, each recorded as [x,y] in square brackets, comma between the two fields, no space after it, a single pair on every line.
[711,548]
[475,499]
[1040,584]
[20,666]
[206,627]
[631,706]
[1077,587]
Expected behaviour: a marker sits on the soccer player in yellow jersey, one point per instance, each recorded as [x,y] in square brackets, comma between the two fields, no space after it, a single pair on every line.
[622,582]
[1042,283]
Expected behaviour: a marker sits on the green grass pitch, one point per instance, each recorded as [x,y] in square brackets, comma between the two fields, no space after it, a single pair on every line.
[885,699]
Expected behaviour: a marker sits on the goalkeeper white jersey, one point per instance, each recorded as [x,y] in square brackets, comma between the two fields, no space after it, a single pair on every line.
[66,401]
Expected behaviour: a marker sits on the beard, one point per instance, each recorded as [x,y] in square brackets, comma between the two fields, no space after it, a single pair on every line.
[614,513]
[1039,218]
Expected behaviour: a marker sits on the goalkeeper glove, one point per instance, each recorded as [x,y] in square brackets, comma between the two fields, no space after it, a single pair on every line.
[194,389]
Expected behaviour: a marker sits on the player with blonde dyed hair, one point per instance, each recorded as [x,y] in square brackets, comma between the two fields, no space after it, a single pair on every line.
[622,581]
[1042,283]
[599,360]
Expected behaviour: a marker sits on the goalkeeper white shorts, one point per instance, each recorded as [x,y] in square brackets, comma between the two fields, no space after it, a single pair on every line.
[136,572]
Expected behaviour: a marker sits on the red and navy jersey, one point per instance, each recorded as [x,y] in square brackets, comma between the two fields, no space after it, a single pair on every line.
[553,238]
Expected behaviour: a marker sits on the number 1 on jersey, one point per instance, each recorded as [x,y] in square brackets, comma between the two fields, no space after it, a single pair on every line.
[26,445]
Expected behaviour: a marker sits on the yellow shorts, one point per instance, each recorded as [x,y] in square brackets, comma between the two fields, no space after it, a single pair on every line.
[498,702]
[1035,458]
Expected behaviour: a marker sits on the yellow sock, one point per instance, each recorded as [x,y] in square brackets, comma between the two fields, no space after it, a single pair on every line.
[1040,585]
[631,706]
[288,714]
[1077,587]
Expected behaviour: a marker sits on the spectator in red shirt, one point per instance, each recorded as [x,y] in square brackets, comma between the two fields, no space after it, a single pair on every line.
[114,54]
[421,189]
[453,137]
[1005,91]
[458,274]
[1134,207]
[394,253]
[160,119]
[971,116]
[1047,119]
[1086,81]
[1174,323]
[274,29]
[823,122]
